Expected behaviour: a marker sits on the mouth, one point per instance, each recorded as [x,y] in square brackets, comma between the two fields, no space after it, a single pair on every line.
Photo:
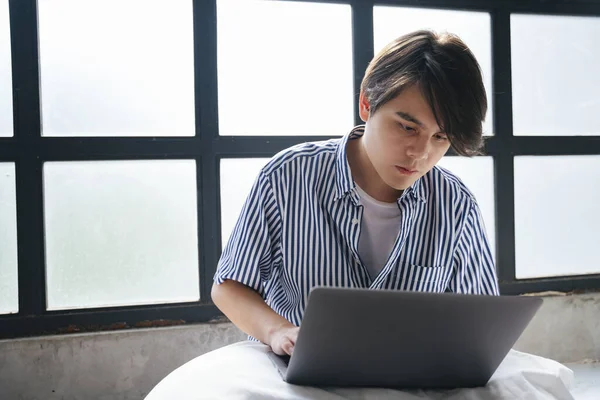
[406,171]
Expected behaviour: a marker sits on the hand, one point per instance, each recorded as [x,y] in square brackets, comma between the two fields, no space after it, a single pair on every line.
[283,339]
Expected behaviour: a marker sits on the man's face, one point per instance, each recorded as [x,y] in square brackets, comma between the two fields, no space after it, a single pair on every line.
[402,138]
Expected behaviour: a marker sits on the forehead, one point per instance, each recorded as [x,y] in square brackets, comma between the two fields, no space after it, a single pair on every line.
[411,101]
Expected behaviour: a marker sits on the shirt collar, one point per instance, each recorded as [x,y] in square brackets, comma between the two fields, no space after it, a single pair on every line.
[345,184]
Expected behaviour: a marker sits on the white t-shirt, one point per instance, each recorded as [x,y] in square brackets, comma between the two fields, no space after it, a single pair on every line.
[379,229]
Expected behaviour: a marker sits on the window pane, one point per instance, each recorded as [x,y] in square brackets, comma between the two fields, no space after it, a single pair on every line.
[9,298]
[120,233]
[473,28]
[117,67]
[6,111]
[556,215]
[284,68]
[478,175]
[555,75]
[237,177]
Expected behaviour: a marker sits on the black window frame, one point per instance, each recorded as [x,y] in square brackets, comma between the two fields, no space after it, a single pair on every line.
[29,150]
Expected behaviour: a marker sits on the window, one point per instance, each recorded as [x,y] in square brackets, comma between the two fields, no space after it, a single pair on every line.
[279,77]
[125,73]
[120,233]
[126,153]
[556,215]
[554,67]
[6,111]
[9,301]
[237,177]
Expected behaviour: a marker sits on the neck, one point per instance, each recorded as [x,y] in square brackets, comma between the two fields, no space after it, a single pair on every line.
[365,175]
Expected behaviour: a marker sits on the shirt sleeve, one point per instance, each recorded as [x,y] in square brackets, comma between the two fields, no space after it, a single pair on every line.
[252,248]
[474,269]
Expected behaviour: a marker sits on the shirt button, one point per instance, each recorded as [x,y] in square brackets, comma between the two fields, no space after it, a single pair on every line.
[354,221]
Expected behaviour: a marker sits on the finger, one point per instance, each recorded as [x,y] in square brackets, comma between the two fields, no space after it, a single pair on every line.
[294,336]
[279,351]
[288,347]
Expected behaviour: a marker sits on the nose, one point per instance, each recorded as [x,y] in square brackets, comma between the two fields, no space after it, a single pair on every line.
[418,149]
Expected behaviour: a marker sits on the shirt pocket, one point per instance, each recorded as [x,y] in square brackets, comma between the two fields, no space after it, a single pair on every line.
[423,278]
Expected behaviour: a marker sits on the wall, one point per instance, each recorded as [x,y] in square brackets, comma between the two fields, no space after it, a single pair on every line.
[103,366]
[566,329]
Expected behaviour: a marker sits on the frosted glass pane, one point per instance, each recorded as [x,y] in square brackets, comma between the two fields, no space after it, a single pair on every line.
[473,28]
[117,67]
[237,177]
[9,298]
[120,233]
[557,218]
[6,111]
[284,68]
[478,175]
[555,75]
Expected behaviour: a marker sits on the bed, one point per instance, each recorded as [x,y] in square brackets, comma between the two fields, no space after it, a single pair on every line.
[244,371]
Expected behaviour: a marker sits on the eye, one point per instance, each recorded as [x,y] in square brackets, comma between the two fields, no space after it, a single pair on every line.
[406,127]
[440,137]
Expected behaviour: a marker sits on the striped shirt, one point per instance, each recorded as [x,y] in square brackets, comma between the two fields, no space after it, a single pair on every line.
[300,228]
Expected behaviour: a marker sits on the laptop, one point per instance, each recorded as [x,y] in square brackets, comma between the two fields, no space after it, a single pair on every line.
[395,339]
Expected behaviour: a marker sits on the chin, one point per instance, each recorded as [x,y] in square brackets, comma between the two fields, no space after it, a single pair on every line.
[400,185]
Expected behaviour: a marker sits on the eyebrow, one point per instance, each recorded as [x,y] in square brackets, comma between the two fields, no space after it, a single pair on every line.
[409,117]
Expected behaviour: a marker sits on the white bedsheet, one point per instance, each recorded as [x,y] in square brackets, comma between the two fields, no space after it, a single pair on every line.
[244,371]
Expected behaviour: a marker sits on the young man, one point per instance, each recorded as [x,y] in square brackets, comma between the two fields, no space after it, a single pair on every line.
[370,210]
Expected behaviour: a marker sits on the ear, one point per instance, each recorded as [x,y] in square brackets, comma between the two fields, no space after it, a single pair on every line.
[363,107]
